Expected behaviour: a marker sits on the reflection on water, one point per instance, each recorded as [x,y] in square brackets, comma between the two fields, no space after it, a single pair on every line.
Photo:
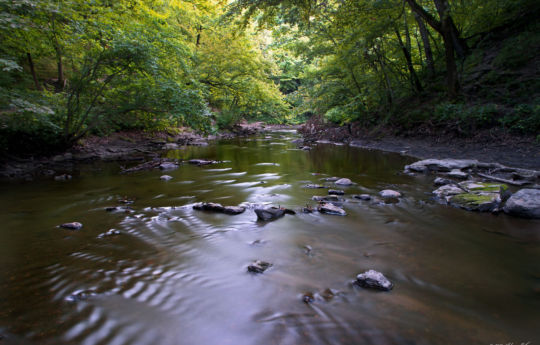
[178,276]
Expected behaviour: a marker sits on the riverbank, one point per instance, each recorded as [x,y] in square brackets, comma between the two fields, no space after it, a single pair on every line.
[503,148]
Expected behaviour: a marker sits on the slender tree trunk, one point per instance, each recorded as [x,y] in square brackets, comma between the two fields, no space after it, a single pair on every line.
[199,31]
[33,71]
[414,78]
[389,92]
[427,45]
[60,83]
[449,39]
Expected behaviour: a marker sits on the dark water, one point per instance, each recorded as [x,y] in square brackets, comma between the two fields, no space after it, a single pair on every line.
[178,276]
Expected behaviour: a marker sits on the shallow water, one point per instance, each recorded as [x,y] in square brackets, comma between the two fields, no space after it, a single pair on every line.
[178,276]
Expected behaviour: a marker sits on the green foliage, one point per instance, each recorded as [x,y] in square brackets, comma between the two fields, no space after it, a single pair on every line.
[524,118]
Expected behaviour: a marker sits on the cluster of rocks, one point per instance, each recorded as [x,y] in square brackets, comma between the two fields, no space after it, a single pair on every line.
[475,193]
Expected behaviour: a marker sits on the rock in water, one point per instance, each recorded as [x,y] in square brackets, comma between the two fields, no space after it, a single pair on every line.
[314,186]
[271,213]
[439,181]
[201,162]
[336,192]
[72,226]
[343,182]
[165,177]
[524,203]
[259,266]
[168,166]
[215,207]
[389,194]
[457,173]
[374,280]
[365,197]
[331,209]
[325,198]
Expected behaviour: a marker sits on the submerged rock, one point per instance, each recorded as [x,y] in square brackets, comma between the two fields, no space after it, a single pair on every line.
[215,207]
[325,198]
[331,179]
[166,177]
[365,197]
[119,209]
[314,186]
[329,208]
[80,295]
[344,182]
[272,213]
[336,192]
[524,203]
[374,280]
[72,226]
[110,232]
[259,266]
[201,162]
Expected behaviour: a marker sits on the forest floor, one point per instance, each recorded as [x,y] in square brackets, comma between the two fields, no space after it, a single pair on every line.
[513,151]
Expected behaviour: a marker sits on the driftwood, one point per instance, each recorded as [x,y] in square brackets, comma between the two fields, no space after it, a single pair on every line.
[503,180]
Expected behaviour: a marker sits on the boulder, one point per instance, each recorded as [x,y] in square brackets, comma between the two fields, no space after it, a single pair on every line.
[374,280]
[271,213]
[165,177]
[343,182]
[259,266]
[441,165]
[72,226]
[218,208]
[524,203]
[329,208]
[389,194]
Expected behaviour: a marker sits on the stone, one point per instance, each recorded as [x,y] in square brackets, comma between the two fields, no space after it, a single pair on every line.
[170,146]
[439,181]
[218,208]
[477,187]
[259,266]
[336,192]
[457,173]
[329,208]
[314,186]
[63,177]
[441,165]
[365,197]
[165,177]
[447,190]
[524,203]
[110,232]
[331,179]
[374,280]
[72,226]
[389,194]
[481,202]
[168,166]
[80,295]
[201,162]
[343,182]
[306,148]
[271,213]
[308,297]
[325,198]
[307,209]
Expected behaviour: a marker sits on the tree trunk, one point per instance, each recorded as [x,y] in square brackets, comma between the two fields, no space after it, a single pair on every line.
[427,45]
[447,28]
[33,71]
[414,78]
[389,92]
[60,83]
[199,31]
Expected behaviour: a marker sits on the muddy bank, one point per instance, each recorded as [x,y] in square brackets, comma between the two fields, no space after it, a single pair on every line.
[502,148]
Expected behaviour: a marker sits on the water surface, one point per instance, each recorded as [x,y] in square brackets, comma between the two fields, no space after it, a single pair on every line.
[178,276]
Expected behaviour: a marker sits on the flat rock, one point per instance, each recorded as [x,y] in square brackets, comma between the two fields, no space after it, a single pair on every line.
[329,208]
[457,173]
[218,208]
[374,280]
[259,266]
[336,192]
[447,190]
[344,182]
[441,165]
[72,226]
[524,203]
[481,202]
[165,177]
[389,194]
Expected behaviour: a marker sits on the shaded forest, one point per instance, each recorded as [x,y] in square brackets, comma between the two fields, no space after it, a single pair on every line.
[77,68]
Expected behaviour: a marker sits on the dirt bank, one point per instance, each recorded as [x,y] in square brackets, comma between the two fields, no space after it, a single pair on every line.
[520,152]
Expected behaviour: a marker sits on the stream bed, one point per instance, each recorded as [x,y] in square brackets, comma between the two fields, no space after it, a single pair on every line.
[174,275]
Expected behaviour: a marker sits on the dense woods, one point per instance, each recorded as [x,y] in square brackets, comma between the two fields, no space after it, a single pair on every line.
[73,68]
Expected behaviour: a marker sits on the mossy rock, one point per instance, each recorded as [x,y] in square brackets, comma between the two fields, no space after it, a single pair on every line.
[482,202]
[483,187]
